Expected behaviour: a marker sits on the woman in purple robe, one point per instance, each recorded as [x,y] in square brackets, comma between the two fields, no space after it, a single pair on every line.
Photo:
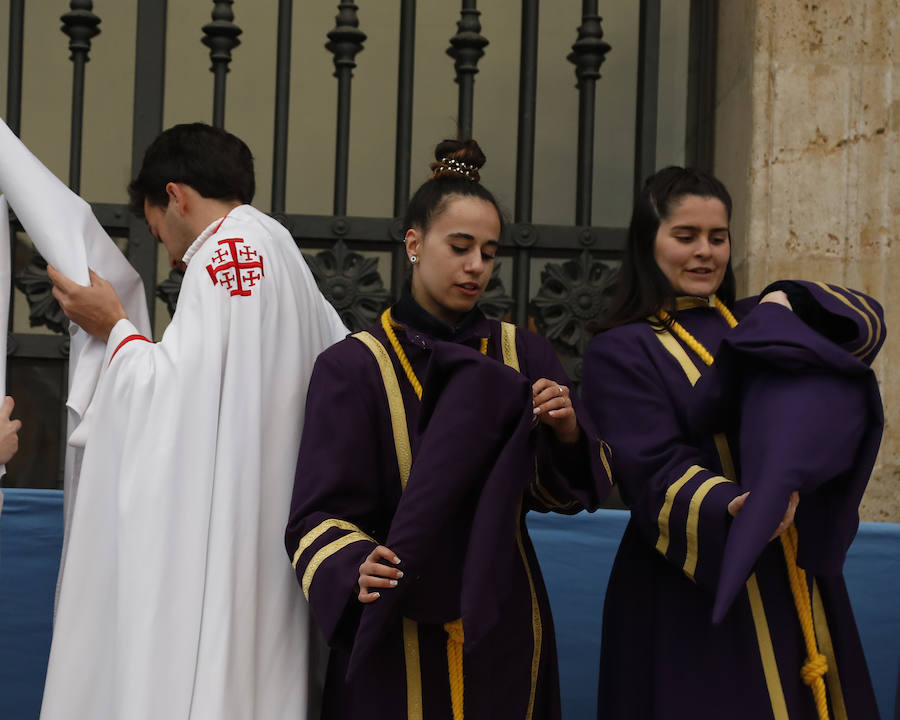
[427,439]
[726,598]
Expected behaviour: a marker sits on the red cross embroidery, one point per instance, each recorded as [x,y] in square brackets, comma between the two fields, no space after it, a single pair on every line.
[234,274]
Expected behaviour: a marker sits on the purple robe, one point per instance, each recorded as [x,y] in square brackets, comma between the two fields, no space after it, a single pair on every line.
[479,464]
[681,453]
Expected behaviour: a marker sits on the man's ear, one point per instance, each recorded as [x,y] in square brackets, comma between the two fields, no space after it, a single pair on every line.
[178,197]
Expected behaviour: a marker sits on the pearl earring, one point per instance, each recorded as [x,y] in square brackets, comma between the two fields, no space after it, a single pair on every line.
[413,259]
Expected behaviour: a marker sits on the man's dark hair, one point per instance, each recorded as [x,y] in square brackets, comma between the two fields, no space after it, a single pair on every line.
[641,288]
[213,162]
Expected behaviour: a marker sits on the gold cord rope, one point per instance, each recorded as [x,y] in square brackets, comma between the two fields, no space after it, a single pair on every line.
[455,639]
[816,665]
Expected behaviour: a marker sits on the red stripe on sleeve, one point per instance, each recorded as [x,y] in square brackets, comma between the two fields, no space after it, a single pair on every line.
[126,340]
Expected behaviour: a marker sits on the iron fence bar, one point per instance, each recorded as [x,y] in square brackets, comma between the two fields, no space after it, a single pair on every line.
[588,53]
[282,105]
[648,84]
[14,65]
[466,49]
[80,24]
[525,158]
[699,142]
[41,346]
[403,154]
[221,38]
[149,91]
[344,41]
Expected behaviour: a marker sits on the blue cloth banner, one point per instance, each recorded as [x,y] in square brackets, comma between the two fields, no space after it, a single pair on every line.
[576,554]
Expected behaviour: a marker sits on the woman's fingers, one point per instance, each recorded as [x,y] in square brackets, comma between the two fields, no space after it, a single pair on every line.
[550,397]
[375,574]
[734,507]
[788,518]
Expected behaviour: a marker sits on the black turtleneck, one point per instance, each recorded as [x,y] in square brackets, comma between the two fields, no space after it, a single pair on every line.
[408,312]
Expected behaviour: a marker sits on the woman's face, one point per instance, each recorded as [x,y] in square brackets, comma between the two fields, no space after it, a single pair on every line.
[455,257]
[692,245]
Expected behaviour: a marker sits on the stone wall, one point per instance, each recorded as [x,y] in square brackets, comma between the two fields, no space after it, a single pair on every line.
[807,119]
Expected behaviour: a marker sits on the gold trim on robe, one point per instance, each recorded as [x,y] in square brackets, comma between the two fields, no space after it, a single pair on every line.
[861,351]
[326,552]
[823,635]
[662,544]
[766,651]
[693,523]
[318,531]
[395,403]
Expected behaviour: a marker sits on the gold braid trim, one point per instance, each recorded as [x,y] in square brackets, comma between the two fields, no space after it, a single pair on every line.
[816,664]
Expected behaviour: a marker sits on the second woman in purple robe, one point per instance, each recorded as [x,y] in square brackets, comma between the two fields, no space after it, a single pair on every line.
[428,438]
[726,598]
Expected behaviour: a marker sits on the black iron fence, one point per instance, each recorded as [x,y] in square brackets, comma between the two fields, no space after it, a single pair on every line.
[574,285]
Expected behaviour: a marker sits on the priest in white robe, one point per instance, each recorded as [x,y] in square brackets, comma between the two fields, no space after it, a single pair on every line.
[177,601]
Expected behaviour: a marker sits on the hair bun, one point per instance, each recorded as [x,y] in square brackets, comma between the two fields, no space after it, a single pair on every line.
[458,160]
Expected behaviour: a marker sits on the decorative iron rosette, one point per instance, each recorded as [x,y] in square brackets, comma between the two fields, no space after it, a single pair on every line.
[168,290]
[494,301]
[572,294]
[38,290]
[351,283]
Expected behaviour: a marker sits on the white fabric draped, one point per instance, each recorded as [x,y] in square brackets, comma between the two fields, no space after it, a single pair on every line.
[69,237]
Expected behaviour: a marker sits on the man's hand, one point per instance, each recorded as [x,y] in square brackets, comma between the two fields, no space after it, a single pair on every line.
[96,309]
[9,431]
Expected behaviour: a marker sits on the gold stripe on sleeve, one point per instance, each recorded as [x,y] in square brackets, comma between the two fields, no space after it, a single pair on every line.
[766,651]
[860,352]
[662,544]
[823,635]
[693,523]
[605,451]
[413,670]
[878,324]
[326,552]
[395,404]
[725,456]
[508,345]
[317,532]
[680,354]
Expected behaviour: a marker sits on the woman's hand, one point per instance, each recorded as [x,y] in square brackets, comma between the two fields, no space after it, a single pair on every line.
[778,296]
[734,507]
[374,574]
[553,407]
[9,431]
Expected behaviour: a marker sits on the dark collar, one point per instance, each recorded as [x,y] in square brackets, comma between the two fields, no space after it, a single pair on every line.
[688,302]
[408,312]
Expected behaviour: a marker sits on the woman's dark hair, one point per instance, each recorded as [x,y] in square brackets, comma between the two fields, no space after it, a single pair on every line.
[456,167]
[641,287]
[213,162]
